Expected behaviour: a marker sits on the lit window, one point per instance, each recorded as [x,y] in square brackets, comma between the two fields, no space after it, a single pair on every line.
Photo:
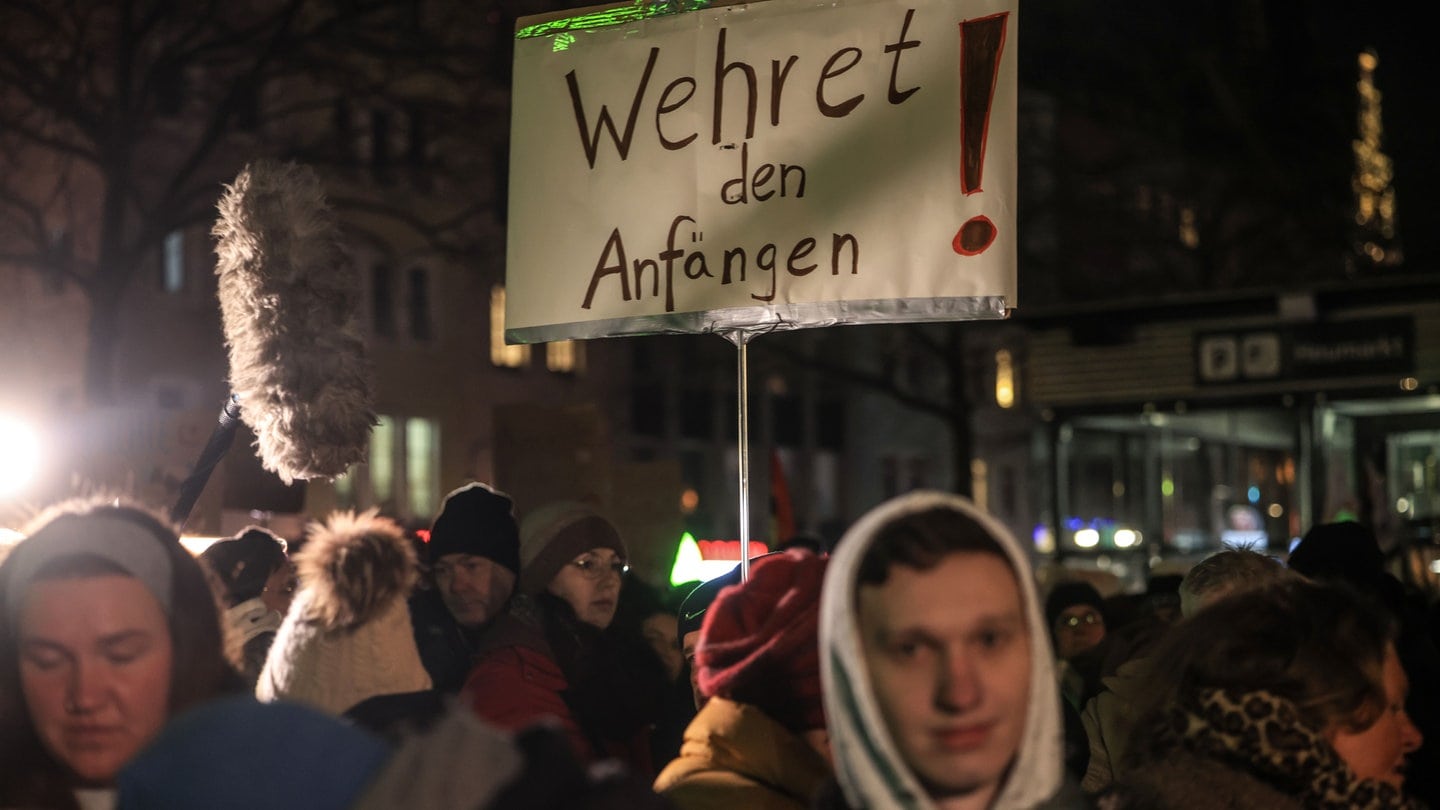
[345,495]
[422,466]
[565,356]
[382,460]
[403,469]
[174,262]
[501,353]
[1004,379]
[980,483]
[1189,232]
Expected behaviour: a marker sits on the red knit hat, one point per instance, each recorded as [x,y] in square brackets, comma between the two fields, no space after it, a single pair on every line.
[760,641]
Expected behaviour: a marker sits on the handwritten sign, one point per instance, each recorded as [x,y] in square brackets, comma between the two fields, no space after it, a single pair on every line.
[769,165]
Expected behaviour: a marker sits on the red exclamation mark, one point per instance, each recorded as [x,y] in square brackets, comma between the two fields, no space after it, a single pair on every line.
[981,42]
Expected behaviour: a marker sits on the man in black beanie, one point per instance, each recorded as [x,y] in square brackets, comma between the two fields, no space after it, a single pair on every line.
[474,559]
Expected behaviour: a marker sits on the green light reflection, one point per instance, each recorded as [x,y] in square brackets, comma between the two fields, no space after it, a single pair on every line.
[638,10]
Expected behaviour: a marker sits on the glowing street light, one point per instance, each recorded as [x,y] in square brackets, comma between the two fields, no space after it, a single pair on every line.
[19,455]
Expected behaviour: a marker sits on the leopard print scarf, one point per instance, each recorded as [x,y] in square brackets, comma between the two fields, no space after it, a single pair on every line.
[1264,735]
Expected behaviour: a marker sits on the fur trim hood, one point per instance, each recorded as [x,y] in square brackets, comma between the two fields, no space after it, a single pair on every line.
[354,566]
[868,763]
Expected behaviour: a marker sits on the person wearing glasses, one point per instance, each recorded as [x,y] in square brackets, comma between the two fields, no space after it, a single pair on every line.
[1109,717]
[550,656]
[1074,610]
[1076,613]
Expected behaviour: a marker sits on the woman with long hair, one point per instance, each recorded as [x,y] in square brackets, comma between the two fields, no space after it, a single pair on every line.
[555,655]
[108,628]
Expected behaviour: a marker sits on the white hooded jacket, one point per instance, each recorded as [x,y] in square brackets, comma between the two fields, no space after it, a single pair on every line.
[868,765]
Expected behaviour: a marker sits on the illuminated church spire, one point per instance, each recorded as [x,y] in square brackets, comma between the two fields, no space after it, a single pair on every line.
[1376,241]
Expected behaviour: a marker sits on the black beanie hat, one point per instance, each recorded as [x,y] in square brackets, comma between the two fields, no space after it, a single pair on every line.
[476,519]
[1342,550]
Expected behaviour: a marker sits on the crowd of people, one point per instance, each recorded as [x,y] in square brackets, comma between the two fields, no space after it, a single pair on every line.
[507,663]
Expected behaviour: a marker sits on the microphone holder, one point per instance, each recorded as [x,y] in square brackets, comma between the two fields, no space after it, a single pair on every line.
[220,440]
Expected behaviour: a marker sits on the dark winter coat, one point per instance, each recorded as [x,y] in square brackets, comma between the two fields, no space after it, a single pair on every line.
[535,769]
[1185,781]
[539,661]
[447,649]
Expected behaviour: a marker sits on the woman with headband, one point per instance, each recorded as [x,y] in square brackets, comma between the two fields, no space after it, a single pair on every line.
[107,629]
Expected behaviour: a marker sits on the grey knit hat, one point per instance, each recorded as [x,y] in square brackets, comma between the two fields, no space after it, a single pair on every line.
[555,534]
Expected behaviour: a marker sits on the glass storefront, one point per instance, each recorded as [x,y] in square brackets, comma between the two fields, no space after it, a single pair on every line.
[1134,491]
[1137,492]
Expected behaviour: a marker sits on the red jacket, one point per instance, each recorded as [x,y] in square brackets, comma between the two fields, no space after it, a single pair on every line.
[516,686]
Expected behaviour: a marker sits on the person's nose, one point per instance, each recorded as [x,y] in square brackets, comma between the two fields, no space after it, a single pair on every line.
[1410,736]
[959,687]
[462,581]
[86,690]
[609,580]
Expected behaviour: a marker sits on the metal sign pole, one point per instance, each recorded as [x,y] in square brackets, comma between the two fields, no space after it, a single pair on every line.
[741,339]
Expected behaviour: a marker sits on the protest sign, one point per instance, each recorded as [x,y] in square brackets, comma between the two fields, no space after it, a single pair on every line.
[767,165]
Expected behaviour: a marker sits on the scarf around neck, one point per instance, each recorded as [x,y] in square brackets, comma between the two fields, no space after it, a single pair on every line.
[1262,734]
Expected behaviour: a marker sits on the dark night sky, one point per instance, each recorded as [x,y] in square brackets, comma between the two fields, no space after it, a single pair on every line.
[1291,68]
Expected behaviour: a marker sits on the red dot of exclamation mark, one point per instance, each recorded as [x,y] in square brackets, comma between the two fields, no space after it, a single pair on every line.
[981,42]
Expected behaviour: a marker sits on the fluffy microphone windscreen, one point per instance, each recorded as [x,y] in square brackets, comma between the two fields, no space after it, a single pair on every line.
[289,298]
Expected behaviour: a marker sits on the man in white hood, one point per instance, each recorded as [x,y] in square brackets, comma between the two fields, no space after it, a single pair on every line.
[939,683]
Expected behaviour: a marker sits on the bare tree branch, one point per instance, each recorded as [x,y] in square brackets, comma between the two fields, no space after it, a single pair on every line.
[142,109]
[879,382]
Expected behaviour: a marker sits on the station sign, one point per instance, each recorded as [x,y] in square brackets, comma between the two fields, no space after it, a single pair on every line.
[1312,351]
